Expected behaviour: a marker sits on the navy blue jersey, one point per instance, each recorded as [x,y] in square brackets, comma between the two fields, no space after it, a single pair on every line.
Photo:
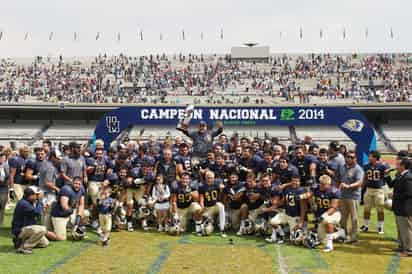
[117,166]
[185,161]
[303,166]
[285,175]
[292,201]
[106,206]
[374,175]
[323,199]
[100,168]
[183,194]
[210,193]
[221,171]
[266,167]
[252,163]
[74,199]
[231,191]
[321,168]
[19,164]
[34,165]
[253,204]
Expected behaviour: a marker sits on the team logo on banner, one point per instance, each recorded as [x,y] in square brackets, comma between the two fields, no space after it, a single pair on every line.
[112,124]
[353,125]
[287,114]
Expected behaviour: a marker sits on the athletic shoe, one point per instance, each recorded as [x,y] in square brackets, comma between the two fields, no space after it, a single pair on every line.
[95,224]
[223,234]
[327,249]
[99,231]
[341,234]
[380,231]
[364,228]
[21,250]
[130,227]
[270,240]
[105,242]
[239,233]
[280,240]
[159,229]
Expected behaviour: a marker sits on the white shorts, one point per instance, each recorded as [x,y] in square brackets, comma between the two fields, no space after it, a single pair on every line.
[162,206]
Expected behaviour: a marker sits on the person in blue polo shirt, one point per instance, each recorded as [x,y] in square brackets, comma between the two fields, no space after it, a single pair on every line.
[26,234]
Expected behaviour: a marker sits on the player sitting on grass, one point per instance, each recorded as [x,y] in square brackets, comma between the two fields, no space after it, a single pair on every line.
[295,208]
[326,198]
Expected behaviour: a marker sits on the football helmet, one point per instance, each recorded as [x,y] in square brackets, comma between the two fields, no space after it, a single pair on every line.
[262,227]
[206,226]
[174,226]
[248,228]
[311,240]
[78,233]
[119,214]
[297,236]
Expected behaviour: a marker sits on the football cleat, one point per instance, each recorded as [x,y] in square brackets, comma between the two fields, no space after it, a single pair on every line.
[327,249]
[380,231]
[130,227]
[364,228]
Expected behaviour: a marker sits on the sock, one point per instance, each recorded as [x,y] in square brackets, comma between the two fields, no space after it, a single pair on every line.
[280,231]
[242,224]
[222,218]
[198,228]
[366,223]
[274,235]
[380,224]
[329,240]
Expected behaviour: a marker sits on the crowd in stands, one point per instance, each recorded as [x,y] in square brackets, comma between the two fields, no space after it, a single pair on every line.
[208,79]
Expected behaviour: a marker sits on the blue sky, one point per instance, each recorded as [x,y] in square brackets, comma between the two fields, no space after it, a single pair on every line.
[242,21]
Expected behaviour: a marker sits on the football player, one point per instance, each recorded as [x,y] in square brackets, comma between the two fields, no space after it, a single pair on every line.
[142,181]
[17,166]
[295,208]
[284,171]
[97,169]
[233,198]
[70,203]
[183,160]
[306,165]
[254,202]
[220,169]
[327,212]
[374,181]
[209,200]
[184,202]
[130,192]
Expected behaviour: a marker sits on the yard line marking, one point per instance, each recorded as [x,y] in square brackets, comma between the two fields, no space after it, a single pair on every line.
[71,255]
[157,264]
[393,266]
[282,263]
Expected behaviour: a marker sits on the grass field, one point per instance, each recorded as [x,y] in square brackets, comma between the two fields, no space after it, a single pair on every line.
[151,252]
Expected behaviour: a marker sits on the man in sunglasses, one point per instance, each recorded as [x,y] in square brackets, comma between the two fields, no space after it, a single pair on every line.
[349,180]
